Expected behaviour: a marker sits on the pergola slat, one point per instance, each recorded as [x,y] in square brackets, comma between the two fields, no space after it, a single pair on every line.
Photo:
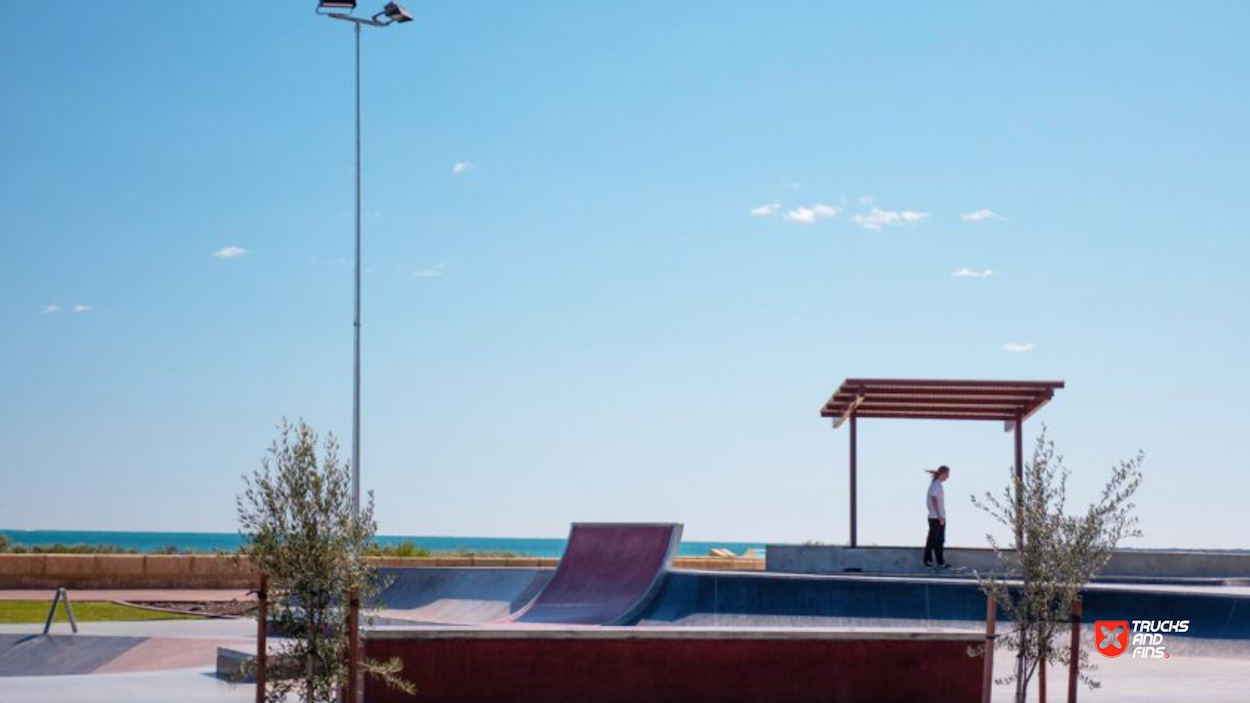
[938,393]
[906,401]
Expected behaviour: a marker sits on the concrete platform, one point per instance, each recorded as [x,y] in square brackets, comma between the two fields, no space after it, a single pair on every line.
[1176,565]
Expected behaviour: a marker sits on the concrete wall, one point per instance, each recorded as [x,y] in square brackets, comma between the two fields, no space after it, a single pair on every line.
[832,559]
[209,571]
[662,665]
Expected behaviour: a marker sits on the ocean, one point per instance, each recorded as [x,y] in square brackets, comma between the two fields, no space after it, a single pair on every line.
[146,542]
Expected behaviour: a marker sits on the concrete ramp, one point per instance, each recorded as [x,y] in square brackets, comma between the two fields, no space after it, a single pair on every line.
[609,574]
[1219,617]
[458,596]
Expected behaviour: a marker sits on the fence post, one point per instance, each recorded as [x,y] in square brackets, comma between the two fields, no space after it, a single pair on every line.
[353,646]
[991,618]
[1074,656]
[262,632]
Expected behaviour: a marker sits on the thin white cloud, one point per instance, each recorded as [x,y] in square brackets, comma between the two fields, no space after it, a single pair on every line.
[50,309]
[866,200]
[230,252]
[790,186]
[1016,347]
[80,309]
[982,215]
[809,215]
[461,168]
[877,219]
[966,272]
[435,271]
[765,210]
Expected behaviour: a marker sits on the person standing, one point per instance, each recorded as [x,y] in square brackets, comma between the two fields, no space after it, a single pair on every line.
[935,500]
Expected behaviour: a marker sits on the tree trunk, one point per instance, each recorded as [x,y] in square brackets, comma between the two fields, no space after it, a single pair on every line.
[310,674]
[1041,677]
[1021,683]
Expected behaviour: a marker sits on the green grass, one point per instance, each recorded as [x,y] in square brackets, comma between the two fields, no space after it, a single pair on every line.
[35,611]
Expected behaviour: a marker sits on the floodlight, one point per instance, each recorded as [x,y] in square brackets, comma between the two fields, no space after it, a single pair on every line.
[395,13]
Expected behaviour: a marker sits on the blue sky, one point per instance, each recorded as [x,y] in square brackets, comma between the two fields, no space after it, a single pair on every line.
[618,255]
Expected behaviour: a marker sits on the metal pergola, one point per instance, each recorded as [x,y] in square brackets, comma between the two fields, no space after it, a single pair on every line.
[1009,402]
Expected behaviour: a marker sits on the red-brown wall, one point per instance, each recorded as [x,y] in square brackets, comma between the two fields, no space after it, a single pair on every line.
[684,670]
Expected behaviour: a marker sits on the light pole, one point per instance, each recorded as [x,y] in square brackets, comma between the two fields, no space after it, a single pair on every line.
[390,14]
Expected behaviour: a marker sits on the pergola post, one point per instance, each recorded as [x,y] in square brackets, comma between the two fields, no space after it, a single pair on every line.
[854,453]
[1019,480]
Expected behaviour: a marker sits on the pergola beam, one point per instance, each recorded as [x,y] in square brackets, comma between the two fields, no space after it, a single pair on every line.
[882,383]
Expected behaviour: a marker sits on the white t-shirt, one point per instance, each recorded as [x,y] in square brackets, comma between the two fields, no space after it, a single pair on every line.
[936,491]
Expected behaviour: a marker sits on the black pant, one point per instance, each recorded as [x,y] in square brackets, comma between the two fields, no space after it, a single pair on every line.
[937,539]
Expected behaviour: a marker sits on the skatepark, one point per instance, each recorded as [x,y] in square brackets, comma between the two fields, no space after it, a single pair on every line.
[615,621]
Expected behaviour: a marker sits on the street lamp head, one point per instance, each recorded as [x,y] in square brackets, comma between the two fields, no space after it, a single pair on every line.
[395,13]
[336,5]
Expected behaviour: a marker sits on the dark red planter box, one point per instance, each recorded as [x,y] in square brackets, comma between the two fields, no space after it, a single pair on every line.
[677,664]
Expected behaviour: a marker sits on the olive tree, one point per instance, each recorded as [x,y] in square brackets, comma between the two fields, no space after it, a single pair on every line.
[301,531]
[1060,554]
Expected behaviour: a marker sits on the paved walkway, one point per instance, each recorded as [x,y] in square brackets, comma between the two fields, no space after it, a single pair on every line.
[189,644]
[184,685]
[1178,678]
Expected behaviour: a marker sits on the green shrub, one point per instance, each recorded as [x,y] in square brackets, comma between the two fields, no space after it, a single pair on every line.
[59,548]
[406,548]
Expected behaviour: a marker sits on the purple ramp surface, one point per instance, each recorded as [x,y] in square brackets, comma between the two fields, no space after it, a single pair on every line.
[608,575]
